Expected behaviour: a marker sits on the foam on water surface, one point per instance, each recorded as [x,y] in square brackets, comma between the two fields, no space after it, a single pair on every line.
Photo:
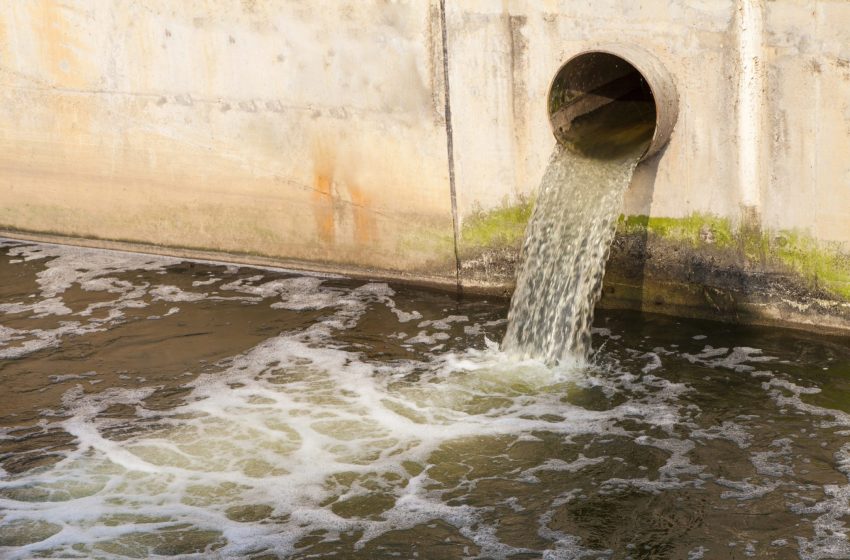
[326,436]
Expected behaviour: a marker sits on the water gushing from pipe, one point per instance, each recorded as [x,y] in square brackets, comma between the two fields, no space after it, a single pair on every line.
[564,255]
[607,115]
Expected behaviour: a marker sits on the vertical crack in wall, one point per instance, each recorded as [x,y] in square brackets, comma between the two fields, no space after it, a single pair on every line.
[450,142]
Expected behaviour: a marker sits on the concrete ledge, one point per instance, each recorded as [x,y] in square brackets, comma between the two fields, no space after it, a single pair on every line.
[655,275]
[246,259]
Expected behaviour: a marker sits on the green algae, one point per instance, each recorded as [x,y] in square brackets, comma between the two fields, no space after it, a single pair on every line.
[695,230]
[500,227]
[823,265]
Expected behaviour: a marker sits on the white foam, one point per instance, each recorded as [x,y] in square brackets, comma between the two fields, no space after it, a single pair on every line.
[654,362]
[697,553]
[39,309]
[443,324]
[28,341]
[737,360]
[174,294]
[299,425]
[831,533]
[95,270]
[746,490]
[424,338]
[557,465]
[774,462]
[727,430]
[65,266]
[69,265]
[677,472]
[290,415]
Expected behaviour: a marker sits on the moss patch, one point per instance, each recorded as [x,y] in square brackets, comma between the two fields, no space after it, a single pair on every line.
[822,265]
[825,264]
[696,229]
[501,227]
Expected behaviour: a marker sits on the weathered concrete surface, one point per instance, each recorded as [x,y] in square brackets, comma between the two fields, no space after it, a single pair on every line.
[317,133]
[243,127]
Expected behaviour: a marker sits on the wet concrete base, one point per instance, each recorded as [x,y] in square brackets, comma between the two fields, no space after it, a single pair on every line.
[647,272]
[440,274]
[673,278]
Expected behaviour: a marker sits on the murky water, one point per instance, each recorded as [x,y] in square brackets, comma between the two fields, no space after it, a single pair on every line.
[564,255]
[157,408]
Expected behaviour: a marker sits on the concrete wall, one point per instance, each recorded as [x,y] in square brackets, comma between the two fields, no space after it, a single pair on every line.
[320,132]
[299,130]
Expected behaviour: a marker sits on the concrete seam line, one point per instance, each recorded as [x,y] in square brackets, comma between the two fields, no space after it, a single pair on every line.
[750,100]
[450,141]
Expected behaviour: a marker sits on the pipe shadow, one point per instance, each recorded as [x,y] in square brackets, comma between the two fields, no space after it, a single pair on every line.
[624,285]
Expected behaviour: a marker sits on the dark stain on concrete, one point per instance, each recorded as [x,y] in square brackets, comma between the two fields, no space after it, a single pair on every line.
[649,272]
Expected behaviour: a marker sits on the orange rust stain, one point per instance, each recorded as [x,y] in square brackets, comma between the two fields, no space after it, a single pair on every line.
[65,62]
[324,177]
[60,44]
[4,39]
[323,210]
[364,218]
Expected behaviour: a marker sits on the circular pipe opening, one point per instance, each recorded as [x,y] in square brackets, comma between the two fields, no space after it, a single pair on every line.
[609,106]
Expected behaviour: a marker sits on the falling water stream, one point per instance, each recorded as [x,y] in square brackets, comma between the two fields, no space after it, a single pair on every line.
[564,255]
[575,216]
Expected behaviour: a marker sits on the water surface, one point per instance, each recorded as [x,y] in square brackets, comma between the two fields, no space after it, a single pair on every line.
[158,408]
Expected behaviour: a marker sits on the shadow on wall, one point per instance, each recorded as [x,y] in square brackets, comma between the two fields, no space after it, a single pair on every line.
[625,273]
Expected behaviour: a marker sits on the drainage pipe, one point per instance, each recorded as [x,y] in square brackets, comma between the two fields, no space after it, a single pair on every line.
[613,102]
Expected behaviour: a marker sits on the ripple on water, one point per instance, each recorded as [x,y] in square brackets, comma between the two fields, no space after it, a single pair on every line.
[325,436]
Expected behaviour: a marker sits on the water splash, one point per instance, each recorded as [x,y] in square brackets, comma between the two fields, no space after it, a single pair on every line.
[564,255]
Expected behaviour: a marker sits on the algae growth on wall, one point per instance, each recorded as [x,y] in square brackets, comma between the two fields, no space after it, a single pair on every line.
[699,266]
